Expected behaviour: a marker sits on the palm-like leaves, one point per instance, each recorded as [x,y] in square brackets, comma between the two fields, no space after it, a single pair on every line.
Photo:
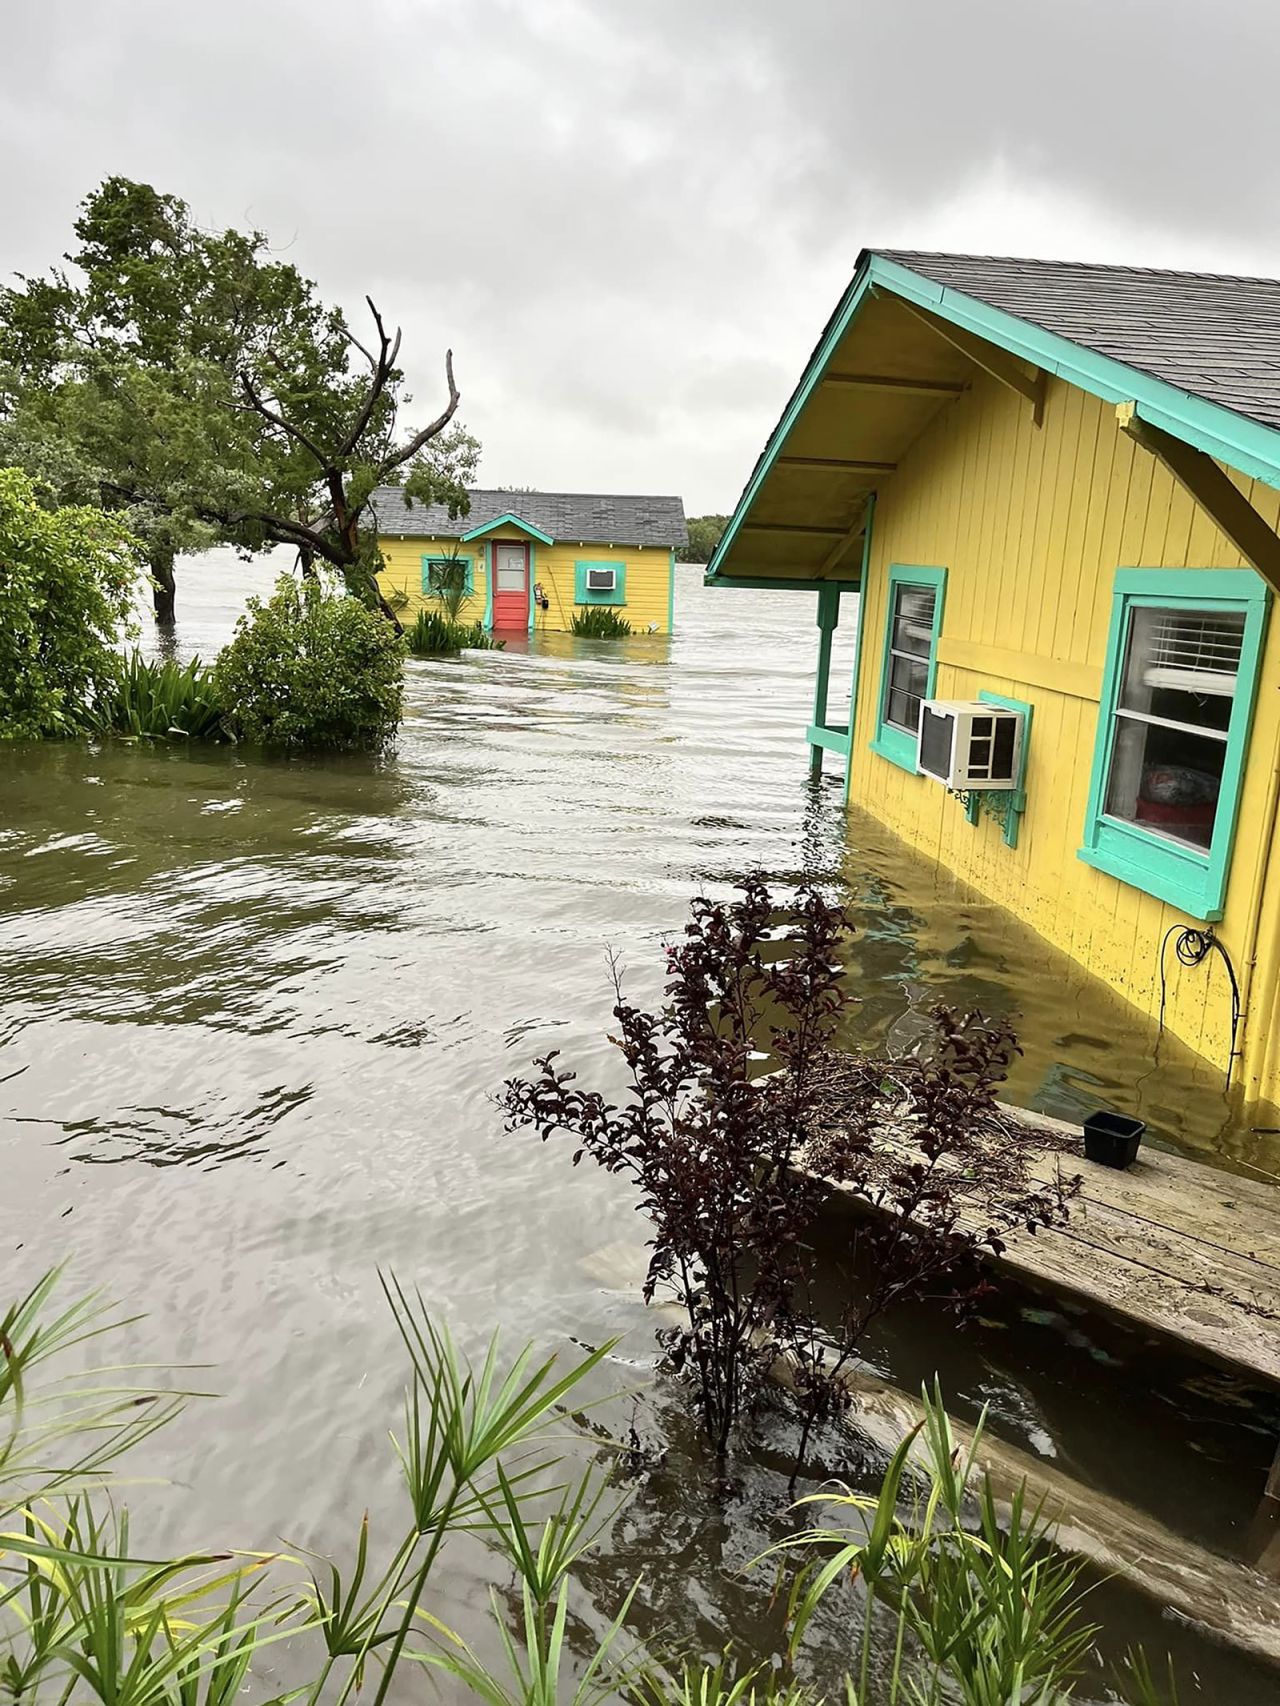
[64,1435]
[80,1612]
[982,1609]
[537,1670]
[992,1613]
[718,1685]
[160,699]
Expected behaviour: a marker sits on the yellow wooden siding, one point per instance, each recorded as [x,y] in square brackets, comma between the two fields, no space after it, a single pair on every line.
[647,580]
[647,584]
[402,573]
[1031,525]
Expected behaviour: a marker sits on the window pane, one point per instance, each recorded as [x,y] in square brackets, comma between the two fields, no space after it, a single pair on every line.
[1182,665]
[909,674]
[908,680]
[903,710]
[1179,678]
[1166,779]
[913,608]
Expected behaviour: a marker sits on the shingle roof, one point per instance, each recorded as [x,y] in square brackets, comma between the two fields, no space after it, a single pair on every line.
[598,520]
[1215,336]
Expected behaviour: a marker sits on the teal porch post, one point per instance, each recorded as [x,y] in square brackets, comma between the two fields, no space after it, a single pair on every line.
[857,643]
[828,618]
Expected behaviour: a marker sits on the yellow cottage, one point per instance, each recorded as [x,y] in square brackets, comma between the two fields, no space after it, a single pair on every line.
[1055,488]
[533,559]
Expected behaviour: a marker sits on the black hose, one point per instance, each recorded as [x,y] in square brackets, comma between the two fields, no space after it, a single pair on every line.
[1193,948]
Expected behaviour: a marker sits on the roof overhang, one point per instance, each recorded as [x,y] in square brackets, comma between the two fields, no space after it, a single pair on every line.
[898,349]
[508,521]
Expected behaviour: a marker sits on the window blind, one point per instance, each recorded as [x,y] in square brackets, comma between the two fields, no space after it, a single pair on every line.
[1198,652]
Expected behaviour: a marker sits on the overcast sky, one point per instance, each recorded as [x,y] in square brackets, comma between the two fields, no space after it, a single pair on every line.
[630,218]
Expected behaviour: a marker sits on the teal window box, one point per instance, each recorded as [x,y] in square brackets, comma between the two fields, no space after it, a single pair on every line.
[585,572]
[909,663]
[436,570]
[1005,805]
[1183,653]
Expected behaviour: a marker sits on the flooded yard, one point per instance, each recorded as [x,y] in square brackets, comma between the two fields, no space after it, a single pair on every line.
[255,1014]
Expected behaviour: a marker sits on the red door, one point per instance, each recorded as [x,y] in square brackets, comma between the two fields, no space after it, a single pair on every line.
[510,584]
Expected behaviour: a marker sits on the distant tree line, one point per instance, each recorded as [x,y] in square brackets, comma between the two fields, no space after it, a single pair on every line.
[704,536]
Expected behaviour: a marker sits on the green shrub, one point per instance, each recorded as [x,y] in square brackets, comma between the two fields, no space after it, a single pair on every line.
[600,622]
[158,700]
[66,578]
[312,669]
[434,635]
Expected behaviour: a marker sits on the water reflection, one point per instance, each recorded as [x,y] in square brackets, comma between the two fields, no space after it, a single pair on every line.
[290,990]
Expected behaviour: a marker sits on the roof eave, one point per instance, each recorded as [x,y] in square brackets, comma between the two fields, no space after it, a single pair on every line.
[1245,445]
[834,330]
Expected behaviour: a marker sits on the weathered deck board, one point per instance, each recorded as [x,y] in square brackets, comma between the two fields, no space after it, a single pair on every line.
[1229,1598]
[1171,1247]
[1208,1205]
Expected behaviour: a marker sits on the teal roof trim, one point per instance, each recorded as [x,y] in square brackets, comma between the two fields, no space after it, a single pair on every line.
[1243,444]
[838,324]
[508,521]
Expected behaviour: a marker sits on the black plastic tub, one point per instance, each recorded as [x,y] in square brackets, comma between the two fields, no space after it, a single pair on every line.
[1112,1139]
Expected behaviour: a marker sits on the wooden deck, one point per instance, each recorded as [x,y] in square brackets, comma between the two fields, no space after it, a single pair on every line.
[1171,1247]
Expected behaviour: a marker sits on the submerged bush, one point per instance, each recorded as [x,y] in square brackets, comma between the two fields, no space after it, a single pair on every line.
[599,622]
[157,699]
[436,634]
[729,1163]
[66,578]
[312,669]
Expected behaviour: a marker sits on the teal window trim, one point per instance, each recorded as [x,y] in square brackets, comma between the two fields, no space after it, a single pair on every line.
[1006,805]
[583,595]
[1192,879]
[889,742]
[430,557]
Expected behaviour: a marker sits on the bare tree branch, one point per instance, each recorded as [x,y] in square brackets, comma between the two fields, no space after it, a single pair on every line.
[388,351]
[355,343]
[289,532]
[436,427]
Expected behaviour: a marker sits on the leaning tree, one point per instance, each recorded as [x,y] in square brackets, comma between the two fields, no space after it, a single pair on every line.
[204,389]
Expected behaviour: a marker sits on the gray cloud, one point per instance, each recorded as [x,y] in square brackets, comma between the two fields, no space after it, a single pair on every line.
[631,219]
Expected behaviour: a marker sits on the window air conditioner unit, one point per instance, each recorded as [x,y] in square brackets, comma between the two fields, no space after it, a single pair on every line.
[969,744]
[602,580]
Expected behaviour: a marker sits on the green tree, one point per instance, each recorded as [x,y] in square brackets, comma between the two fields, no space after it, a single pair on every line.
[66,580]
[311,669]
[704,536]
[212,394]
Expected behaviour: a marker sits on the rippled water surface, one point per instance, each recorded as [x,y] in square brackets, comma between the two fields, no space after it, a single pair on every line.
[255,1014]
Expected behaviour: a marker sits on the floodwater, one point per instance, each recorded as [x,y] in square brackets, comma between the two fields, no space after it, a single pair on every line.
[255,1014]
